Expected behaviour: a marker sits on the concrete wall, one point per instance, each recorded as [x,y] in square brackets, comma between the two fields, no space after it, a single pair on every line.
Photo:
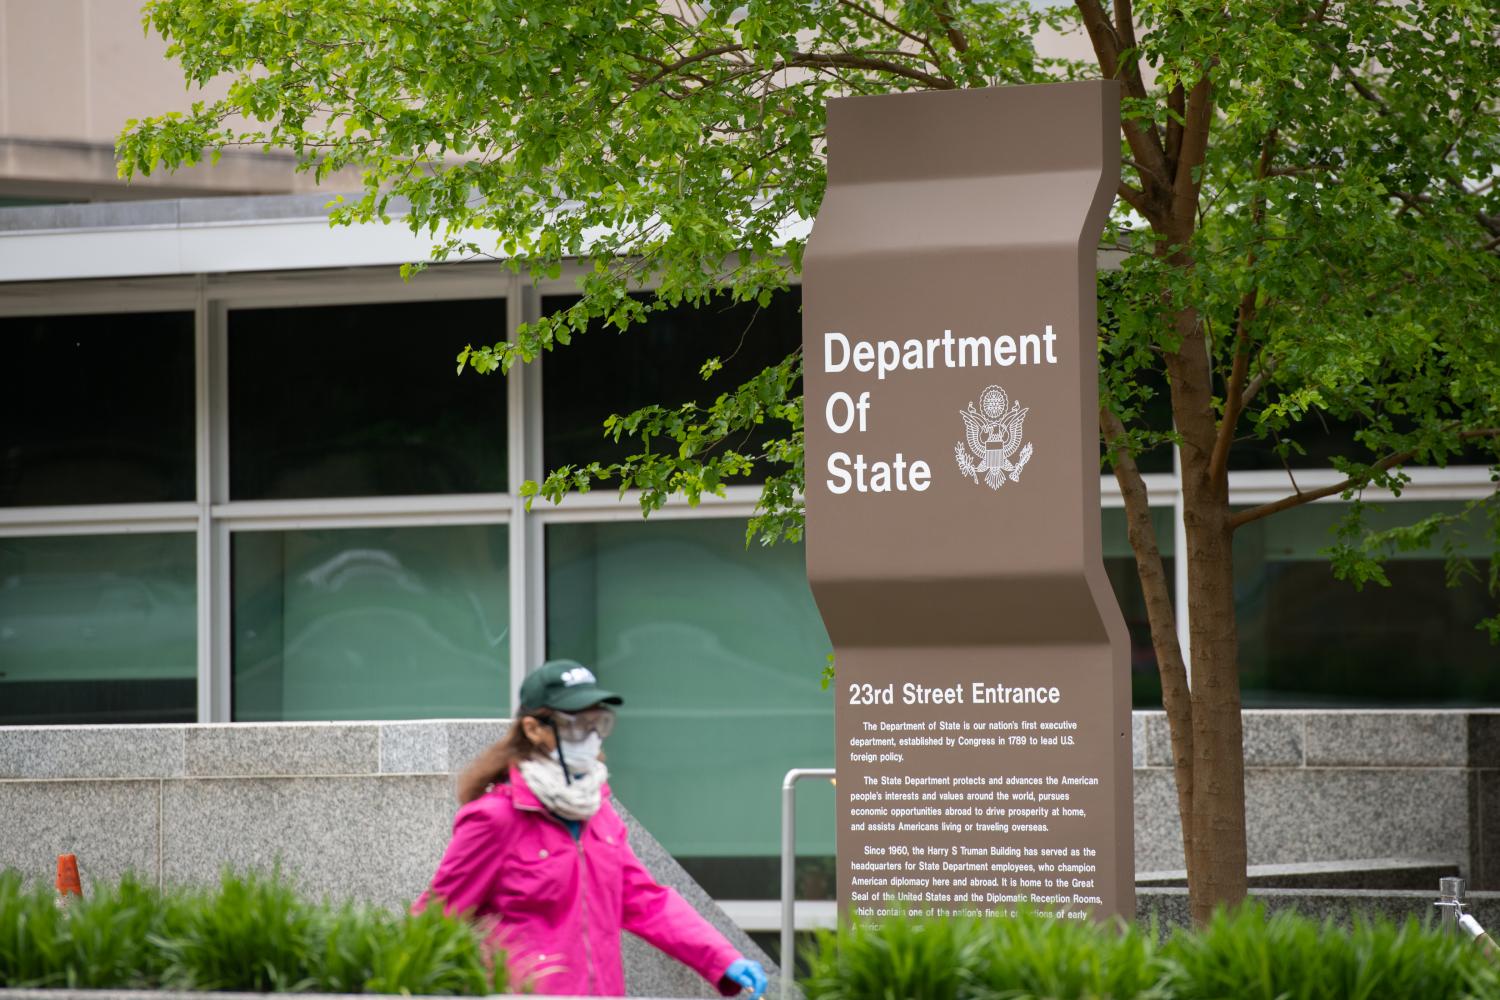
[351,810]
[1335,785]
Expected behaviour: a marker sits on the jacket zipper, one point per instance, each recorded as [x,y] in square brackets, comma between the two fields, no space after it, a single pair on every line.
[588,951]
[583,892]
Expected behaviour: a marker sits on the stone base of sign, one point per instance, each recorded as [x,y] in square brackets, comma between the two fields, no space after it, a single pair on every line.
[349,810]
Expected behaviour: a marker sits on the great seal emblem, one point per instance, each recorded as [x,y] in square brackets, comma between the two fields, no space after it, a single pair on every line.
[993,433]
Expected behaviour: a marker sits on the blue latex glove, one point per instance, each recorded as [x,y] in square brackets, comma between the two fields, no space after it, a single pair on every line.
[748,974]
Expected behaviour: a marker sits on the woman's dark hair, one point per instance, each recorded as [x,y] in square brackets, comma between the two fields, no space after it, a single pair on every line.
[493,765]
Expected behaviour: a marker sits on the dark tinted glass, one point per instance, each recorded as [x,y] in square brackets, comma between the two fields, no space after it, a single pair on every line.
[605,372]
[98,629]
[96,409]
[1157,416]
[362,400]
[1156,411]
[1310,640]
[1319,439]
[1315,441]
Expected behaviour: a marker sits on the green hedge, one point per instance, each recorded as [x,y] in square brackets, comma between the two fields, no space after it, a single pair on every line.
[1241,956]
[252,933]
[255,933]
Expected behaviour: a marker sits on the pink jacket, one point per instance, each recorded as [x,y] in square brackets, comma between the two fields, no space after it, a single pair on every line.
[559,905]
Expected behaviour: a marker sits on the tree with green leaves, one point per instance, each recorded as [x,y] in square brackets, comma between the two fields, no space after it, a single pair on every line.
[1308,213]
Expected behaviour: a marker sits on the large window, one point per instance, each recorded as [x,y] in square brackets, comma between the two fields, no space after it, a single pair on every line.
[607,372]
[254,504]
[362,400]
[717,650]
[1308,639]
[98,628]
[371,623]
[96,409]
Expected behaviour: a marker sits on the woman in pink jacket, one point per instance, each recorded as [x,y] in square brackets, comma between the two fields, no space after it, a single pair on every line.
[538,850]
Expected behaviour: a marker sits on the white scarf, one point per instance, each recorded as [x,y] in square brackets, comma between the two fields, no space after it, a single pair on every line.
[578,800]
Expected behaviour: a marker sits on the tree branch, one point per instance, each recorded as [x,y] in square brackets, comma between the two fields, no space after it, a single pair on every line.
[1132,197]
[1145,143]
[1163,180]
[1218,465]
[1299,498]
[1362,89]
[1258,382]
[955,37]
[875,15]
[1160,613]
[1176,109]
[1196,124]
[687,61]
[1129,59]
[853,61]
[1125,23]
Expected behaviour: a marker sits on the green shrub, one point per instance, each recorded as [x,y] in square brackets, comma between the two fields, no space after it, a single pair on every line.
[1027,956]
[429,953]
[1247,955]
[898,957]
[1243,955]
[34,950]
[1034,956]
[252,933]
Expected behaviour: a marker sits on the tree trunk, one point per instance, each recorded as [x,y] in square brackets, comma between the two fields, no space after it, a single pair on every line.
[1215,839]
[1216,851]
[1160,614]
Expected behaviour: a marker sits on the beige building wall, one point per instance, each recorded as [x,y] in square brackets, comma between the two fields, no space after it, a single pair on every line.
[71,73]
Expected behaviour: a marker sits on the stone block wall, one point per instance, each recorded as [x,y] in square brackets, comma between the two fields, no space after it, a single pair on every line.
[1336,785]
[350,810]
[364,809]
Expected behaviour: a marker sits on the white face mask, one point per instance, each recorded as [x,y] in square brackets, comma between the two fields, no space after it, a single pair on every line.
[580,753]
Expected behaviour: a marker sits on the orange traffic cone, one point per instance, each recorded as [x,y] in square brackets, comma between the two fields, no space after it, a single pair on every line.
[67,878]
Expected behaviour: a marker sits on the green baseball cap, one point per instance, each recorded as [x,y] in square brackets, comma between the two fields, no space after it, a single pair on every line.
[565,685]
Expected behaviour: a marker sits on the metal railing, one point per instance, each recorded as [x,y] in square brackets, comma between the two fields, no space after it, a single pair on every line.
[1452,918]
[789,869]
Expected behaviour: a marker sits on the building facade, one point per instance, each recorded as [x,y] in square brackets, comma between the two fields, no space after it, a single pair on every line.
[240,481]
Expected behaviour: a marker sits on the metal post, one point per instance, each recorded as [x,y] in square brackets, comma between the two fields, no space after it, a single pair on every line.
[789,869]
[1450,903]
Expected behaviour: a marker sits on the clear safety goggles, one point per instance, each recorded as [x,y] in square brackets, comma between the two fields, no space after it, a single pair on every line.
[577,725]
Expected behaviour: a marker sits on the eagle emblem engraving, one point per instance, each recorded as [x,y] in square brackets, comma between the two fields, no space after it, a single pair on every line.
[992,433]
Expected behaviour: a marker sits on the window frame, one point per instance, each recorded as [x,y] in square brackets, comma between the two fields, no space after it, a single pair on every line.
[213,518]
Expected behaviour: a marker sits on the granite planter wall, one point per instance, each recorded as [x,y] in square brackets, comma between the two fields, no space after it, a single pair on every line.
[350,809]
[1335,785]
[364,809]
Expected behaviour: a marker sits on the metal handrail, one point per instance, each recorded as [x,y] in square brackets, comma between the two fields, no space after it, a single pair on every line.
[1452,918]
[789,869]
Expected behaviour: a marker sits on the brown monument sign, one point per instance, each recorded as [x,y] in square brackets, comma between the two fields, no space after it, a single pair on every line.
[983,721]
